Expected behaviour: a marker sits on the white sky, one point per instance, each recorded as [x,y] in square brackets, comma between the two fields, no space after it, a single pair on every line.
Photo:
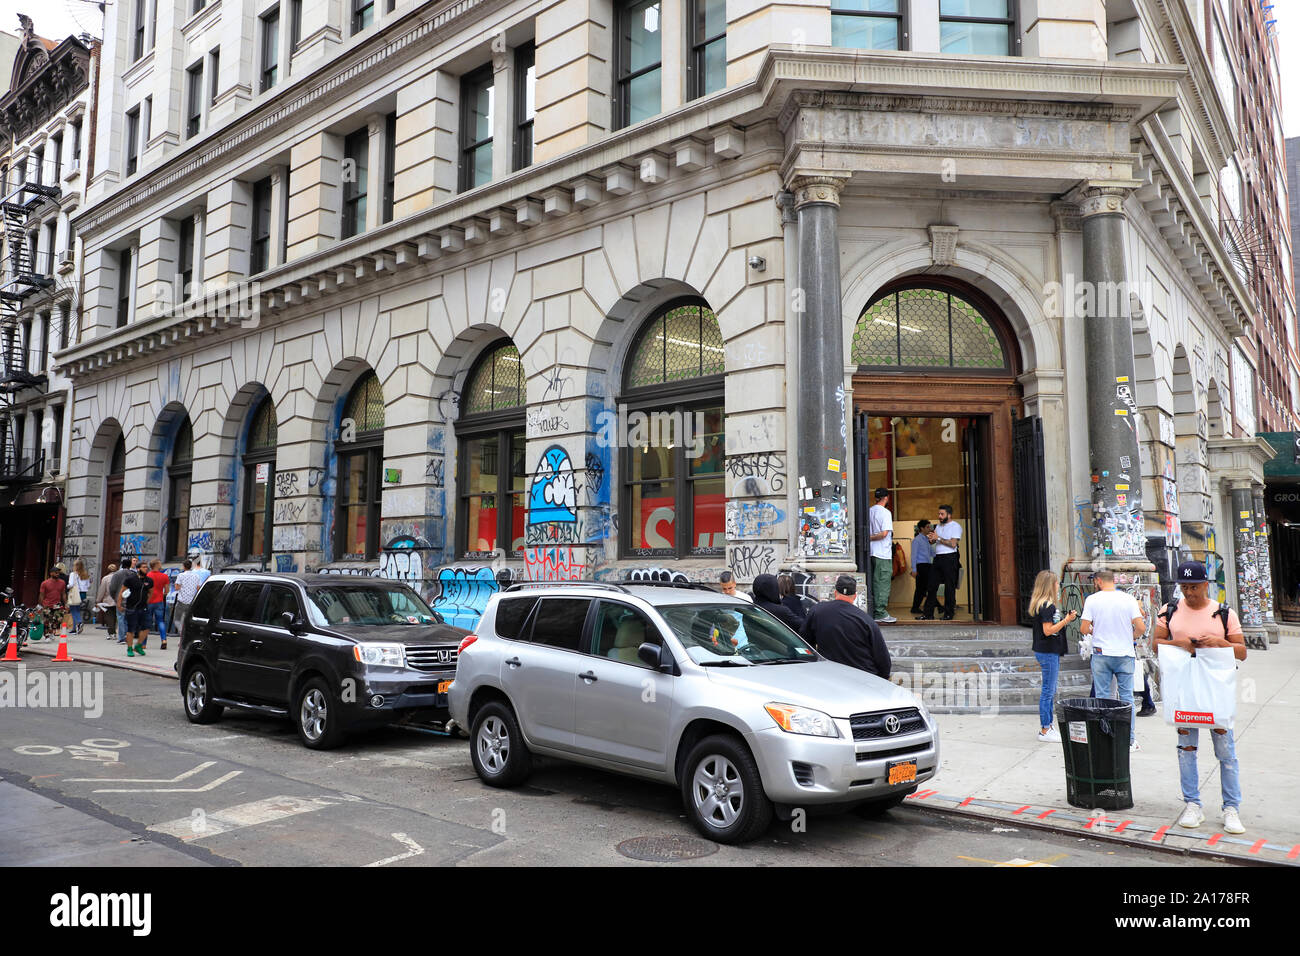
[57,19]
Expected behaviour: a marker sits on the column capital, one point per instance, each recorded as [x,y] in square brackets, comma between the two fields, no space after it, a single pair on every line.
[817,188]
[277,174]
[375,124]
[1099,199]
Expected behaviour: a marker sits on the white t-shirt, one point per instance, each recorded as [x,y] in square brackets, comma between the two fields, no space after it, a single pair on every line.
[949,529]
[1112,614]
[882,520]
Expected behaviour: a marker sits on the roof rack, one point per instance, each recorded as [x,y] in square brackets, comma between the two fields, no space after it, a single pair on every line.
[690,585]
[521,585]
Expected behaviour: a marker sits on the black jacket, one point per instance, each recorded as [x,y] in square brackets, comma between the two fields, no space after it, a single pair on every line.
[767,595]
[844,633]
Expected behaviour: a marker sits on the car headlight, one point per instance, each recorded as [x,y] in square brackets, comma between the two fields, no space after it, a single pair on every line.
[802,720]
[385,655]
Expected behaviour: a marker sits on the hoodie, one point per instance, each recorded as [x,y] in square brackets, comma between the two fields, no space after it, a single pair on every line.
[767,595]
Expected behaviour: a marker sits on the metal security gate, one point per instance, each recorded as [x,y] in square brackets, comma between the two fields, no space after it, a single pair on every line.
[1030,503]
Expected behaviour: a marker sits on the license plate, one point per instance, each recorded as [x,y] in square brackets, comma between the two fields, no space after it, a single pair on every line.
[902,771]
[443,685]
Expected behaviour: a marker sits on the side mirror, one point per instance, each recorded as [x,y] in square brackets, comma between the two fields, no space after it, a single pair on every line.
[649,654]
[291,621]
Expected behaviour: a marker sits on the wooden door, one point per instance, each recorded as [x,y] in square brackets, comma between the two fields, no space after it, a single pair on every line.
[112,525]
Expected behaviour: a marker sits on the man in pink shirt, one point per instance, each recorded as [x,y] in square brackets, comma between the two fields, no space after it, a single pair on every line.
[1192,623]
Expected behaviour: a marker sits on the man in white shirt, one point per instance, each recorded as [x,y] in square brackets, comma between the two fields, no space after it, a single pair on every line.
[881,522]
[945,537]
[728,585]
[1114,621]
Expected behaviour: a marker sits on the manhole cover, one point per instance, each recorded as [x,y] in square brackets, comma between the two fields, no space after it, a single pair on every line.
[666,849]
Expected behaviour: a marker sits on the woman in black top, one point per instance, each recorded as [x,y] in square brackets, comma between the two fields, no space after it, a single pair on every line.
[785,583]
[1049,645]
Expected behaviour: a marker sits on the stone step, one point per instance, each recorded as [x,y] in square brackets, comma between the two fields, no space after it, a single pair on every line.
[1074,685]
[943,648]
[982,665]
[955,632]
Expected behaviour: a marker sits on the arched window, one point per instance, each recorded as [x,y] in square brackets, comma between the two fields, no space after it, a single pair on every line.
[259,482]
[673,492]
[925,328]
[360,480]
[491,436]
[179,473]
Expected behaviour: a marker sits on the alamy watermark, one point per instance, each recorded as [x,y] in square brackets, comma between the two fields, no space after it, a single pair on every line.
[651,429]
[45,689]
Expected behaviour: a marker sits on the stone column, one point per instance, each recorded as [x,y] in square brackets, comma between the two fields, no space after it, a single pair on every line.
[375,173]
[1241,500]
[1262,557]
[824,530]
[278,219]
[1115,463]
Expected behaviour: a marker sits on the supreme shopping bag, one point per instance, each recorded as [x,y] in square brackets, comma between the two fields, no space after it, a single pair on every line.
[1200,690]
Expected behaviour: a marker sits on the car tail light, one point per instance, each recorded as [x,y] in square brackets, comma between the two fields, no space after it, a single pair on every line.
[470,639]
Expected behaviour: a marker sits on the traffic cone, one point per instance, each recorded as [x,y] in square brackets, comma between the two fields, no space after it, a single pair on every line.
[62,656]
[11,646]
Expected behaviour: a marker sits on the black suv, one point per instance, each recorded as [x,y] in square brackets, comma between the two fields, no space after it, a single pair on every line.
[332,652]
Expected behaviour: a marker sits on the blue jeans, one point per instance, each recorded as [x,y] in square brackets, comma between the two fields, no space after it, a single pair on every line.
[75,611]
[121,627]
[1051,665]
[1225,748]
[1105,667]
[158,615]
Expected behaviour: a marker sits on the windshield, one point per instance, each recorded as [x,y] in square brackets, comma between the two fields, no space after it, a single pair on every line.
[734,634]
[367,606]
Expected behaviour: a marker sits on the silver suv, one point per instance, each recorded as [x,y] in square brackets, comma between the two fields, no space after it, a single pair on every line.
[687,687]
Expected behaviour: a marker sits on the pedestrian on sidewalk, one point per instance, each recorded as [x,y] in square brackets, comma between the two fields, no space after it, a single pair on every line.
[119,580]
[133,607]
[790,598]
[200,570]
[946,566]
[727,582]
[767,595]
[1113,619]
[78,588]
[187,589]
[104,602]
[882,556]
[922,556]
[1049,645]
[162,584]
[844,633]
[1192,623]
[54,592]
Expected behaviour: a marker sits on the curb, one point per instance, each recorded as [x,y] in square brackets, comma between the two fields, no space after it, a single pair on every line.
[1216,846]
[126,665]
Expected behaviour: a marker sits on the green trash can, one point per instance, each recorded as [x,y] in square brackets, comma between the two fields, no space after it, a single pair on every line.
[1095,739]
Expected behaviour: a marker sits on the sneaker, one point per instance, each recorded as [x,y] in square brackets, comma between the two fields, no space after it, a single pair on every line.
[1231,821]
[130,651]
[1134,747]
[1051,735]
[163,645]
[1192,817]
[887,619]
[139,651]
[1146,711]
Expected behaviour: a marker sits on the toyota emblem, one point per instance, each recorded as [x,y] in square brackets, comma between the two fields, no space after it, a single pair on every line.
[891,724]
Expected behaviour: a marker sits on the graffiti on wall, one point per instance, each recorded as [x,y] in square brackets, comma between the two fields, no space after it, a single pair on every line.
[552,524]
[463,593]
[753,519]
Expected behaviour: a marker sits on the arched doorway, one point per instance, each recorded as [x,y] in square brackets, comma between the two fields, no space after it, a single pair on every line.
[936,405]
[112,550]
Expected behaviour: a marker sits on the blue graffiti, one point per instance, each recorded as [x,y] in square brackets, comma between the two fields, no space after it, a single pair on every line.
[284,563]
[464,593]
[200,541]
[133,544]
[553,497]
[752,519]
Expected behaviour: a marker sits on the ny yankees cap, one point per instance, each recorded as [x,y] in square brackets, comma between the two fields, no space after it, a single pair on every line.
[1192,572]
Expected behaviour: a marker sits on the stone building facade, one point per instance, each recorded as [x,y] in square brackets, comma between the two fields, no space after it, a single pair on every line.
[586,288]
[45,118]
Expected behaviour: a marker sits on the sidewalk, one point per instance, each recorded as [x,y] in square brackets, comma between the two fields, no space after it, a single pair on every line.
[994,767]
[91,646]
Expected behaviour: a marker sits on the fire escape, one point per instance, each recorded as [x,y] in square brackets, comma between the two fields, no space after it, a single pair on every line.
[22,279]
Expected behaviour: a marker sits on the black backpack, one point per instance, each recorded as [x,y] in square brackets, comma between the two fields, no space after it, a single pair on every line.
[1221,614]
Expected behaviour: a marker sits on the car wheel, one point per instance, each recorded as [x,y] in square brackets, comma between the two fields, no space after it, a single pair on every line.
[196,692]
[875,808]
[501,759]
[318,715]
[723,791]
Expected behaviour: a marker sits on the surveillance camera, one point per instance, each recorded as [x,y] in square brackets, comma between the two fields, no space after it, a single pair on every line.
[757,263]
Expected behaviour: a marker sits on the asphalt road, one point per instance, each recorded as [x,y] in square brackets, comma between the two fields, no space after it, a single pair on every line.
[140,785]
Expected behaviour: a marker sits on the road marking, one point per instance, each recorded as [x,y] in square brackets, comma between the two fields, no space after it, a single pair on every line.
[1017,861]
[240,816]
[177,779]
[1160,834]
[415,850]
[203,789]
